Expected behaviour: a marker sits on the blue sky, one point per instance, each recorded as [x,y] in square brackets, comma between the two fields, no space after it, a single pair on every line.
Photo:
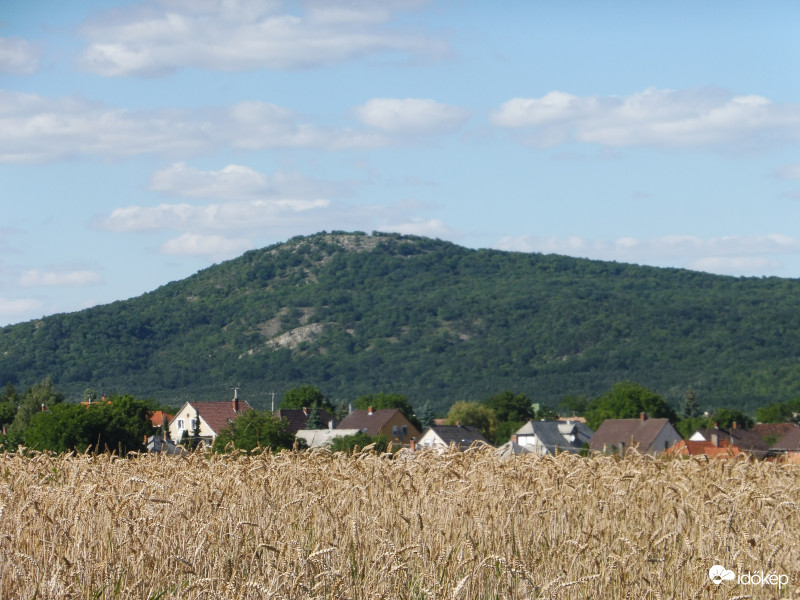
[143,140]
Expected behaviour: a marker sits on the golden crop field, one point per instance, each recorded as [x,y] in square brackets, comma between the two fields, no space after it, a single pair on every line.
[458,525]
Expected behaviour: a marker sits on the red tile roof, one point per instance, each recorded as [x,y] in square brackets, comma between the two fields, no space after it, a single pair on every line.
[160,418]
[689,448]
[372,423]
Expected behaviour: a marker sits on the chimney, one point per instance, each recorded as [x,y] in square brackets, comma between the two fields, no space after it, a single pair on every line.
[734,425]
[643,416]
[305,410]
[236,400]
[715,439]
[412,445]
[369,411]
[331,424]
[716,425]
[458,423]
[43,407]
[514,438]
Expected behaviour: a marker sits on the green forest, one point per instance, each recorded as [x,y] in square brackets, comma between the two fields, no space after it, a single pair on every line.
[358,314]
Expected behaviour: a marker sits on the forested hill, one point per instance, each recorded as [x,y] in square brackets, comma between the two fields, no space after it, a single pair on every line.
[356,314]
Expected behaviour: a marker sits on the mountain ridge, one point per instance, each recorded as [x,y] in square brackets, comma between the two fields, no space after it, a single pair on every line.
[354,314]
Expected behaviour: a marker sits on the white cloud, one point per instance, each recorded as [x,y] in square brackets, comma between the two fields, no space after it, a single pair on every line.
[35,277]
[191,244]
[420,226]
[232,216]
[237,182]
[733,255]
[18,56]
[156,39]
[36,129]
[693,117]
[411,116]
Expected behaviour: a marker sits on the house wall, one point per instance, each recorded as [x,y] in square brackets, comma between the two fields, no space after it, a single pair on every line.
[399,421]
[665,439]
[532,443]
[431,440]
[185,415]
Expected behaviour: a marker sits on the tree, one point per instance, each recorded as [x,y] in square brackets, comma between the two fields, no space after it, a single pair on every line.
[360,440]
[9,401]
[627,400]
[39,395]
[574,406]
[475,414]
[690,408]
[314,420]
[383,400]
[426,418]
[726,417]
[120,424]
[305,396]
[255,429]
[779,412]
[508,406]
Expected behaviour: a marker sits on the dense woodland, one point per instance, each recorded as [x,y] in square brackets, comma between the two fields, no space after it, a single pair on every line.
[438,323]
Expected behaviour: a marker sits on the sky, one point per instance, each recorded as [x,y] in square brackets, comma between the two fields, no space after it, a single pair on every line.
[144,140]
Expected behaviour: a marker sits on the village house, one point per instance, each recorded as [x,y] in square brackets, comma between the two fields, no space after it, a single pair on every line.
[744,439]
[648,436]
[389,422]
[442,437]
[319,438]
[550,437]
[213,417]
[297,418]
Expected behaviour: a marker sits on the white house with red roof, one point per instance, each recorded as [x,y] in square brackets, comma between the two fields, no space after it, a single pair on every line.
[213,416]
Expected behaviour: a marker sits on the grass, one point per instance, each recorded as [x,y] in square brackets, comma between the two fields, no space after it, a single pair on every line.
[458,525]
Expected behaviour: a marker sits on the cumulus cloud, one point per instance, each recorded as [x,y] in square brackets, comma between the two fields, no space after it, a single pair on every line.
[232,216]
[730,255]
[34,128]
[192,244]
[411,116]
[59,278]
[238,182]
[420,226]
[683,118]
[18,56]
[157,38]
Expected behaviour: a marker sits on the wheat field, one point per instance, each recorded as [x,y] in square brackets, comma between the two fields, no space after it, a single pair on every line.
[458,525]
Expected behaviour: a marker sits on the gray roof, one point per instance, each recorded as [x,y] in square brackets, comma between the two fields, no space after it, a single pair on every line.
[554,435]
[462,436]
[745,439]
[511,448]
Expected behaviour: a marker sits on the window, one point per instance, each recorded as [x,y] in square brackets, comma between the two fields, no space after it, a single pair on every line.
[180,423]
[405,430]
[394,430]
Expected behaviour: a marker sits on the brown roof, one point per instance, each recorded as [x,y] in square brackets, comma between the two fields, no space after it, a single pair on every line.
[790,441]
[630,432]
[372,423]
[298,417]
[775,431]
[219,414]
